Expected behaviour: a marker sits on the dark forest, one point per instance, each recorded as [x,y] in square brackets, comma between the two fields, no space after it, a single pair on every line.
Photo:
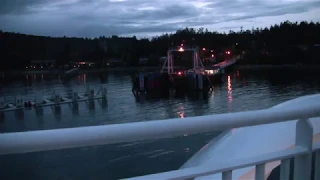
[284,43]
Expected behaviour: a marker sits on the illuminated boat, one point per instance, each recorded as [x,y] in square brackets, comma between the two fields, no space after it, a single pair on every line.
[182,71]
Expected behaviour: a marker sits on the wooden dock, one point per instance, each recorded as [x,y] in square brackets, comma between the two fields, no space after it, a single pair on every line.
[55,100]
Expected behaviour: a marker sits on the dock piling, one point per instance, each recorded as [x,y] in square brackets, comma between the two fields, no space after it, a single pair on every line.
[75,96]
[200,82]
[91,94]
[2,105]
[57,98]
[141,79]
[18,102]
[38,100]
[104,92]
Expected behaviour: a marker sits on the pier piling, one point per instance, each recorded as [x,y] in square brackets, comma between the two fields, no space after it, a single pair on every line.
[75,96]
[57,98]
[104,92]
[91,94]
[2,105]
[18,102]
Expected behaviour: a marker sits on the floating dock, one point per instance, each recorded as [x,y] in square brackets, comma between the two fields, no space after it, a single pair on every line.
[55,100]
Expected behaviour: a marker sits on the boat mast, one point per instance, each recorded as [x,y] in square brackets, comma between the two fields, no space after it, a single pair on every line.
[168,65]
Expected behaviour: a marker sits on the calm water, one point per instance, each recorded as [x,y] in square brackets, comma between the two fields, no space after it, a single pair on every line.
[242,90]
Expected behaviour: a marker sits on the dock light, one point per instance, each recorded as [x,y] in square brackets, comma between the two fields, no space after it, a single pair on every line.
[228,52]
[203,49]
[181,49]
[179,73]
[212,55]
[181,44]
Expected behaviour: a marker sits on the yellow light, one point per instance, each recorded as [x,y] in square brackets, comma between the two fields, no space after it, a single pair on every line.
[181,49]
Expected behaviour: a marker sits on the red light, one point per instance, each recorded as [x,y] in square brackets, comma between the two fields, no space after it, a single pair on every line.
[181,44]
[179,73]
[203,49]
[228,52]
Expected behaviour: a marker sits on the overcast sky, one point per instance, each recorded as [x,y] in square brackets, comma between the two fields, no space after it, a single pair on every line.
[92,18]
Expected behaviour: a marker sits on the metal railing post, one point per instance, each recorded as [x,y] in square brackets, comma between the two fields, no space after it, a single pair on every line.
[317,165]
[302,163]
[260,169]
[227,175]
[285,169]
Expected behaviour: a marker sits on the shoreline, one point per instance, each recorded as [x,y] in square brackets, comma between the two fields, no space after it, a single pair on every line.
[95,70]
[154,68]
[282,66]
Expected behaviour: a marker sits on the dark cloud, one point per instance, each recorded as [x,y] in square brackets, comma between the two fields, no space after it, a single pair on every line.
[168,12]
[29,6]
[106,17]
[264,10]
[92,31]
[18,6]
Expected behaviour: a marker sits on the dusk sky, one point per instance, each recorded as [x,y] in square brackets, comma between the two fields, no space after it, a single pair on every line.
[145,18]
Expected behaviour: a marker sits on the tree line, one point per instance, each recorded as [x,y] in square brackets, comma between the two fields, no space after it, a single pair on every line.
[287,42]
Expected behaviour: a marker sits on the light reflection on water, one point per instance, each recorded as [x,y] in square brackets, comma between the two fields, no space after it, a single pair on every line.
[229,93]
[241,91]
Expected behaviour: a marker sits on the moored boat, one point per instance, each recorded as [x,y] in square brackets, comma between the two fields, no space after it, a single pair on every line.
[179,73]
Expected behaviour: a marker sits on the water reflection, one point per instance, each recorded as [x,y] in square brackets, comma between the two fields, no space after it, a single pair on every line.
[2,116]
[75,109]
[39,115]
[124,109]
[57,112]
[103,78]
[68,89]
[104,103]
[91,107]
[39,111]
[19,113]
[141,98]
[82,79]
[181,111]
[229,93]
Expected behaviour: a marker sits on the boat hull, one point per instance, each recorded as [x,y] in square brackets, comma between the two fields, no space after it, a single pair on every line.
[163,83]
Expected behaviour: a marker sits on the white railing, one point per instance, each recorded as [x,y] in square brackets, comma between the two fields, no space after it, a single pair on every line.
[23,142]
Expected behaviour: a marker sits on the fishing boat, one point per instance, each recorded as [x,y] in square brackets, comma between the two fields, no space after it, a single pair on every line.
[182,70]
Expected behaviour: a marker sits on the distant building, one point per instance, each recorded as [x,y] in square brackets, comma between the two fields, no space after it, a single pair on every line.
[42,64]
